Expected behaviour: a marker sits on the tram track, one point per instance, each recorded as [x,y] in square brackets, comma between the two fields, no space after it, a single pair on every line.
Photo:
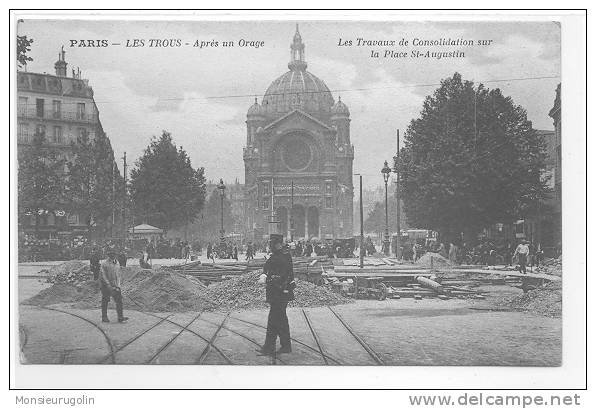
[112,354]
[315,336]
[227,328]
[167,344]
[139,335]
[297,341]
[362,342]
[211,341]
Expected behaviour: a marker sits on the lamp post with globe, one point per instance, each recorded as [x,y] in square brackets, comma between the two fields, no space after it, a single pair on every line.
[386,172]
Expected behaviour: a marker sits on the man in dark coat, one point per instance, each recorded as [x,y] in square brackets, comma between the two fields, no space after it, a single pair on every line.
[279,291]
[122,257]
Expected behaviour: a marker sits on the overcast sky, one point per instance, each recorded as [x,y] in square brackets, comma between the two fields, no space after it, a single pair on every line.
[140,91]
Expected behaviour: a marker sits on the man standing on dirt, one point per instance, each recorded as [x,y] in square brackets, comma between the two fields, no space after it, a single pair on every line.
[110,287]
[279,291]
[522,252]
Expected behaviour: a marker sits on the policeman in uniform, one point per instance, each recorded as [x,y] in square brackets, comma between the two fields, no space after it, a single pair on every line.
[279,291]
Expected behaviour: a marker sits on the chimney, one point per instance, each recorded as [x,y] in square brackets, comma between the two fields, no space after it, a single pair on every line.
[61,64]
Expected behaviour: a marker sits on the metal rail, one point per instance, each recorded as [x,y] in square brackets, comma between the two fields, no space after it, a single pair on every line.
[227,328]
[363,343]
[167,344]
[332,359]
[315,336]
[224,356]
[210,343]
[105,335]
[130,341]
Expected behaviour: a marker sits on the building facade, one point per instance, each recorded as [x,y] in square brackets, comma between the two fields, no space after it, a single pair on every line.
[61,108]
[298,158]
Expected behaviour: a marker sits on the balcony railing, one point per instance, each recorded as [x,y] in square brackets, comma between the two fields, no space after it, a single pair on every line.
[31,114]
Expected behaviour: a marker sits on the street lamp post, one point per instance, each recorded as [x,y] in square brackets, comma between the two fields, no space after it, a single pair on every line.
[397,200]
[386,172]
[222,192]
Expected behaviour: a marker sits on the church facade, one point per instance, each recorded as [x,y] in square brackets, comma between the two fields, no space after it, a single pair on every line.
[298,158]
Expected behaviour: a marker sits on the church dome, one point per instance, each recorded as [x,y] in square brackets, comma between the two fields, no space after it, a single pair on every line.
[297,88]
[340,108]
[254,110]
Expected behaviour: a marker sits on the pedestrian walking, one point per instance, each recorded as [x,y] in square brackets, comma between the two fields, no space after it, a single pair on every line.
[122,258]
[279,291]
[110,287]
[150,250]
[521,252]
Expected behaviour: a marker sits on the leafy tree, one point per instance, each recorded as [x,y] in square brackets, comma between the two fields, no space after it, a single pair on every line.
[470,160]
[40,179]
[165,189]
[91,175]
[23,47]
[375,220]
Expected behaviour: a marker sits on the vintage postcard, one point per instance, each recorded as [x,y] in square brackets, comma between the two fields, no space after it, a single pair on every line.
[290,192]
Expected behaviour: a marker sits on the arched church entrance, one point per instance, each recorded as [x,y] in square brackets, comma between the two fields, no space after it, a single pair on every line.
[299,216]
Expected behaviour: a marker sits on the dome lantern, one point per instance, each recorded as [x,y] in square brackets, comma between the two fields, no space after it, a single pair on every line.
[297,61]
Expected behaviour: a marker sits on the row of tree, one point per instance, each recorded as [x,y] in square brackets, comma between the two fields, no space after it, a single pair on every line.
[83,180]
[164,189]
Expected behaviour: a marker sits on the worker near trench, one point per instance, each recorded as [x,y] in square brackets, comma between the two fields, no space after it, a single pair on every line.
[109,284]
[280,286]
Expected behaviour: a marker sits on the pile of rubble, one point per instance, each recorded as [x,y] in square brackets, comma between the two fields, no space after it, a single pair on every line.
[171,291]
[244,292]
[545,300]
[552,266]
[72,272]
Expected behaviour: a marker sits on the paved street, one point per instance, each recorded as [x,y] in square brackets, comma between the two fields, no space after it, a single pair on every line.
[391,332]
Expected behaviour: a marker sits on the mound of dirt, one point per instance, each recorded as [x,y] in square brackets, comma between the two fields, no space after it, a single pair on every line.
[545,301]
[164,290]
[438,261]
[68,267]
[84,293]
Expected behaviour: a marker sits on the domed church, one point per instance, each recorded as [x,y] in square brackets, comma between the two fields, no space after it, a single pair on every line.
[298,158]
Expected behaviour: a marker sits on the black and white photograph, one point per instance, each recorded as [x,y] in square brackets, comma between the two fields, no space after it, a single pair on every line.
[290,192]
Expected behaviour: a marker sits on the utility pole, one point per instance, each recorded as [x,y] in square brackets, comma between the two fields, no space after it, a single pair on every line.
[113,198]
[397,199]
[125,199]
[292,212]
[361,227]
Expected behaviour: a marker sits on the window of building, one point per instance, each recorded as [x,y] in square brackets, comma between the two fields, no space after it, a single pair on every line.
[57,134]
[81,110]
[22,106]
[265,188]
[328,188]
[57,108]
[83,133]
[265,204]
[328,202]
[40,130]
[73,219]
[39,105]
[23,132]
